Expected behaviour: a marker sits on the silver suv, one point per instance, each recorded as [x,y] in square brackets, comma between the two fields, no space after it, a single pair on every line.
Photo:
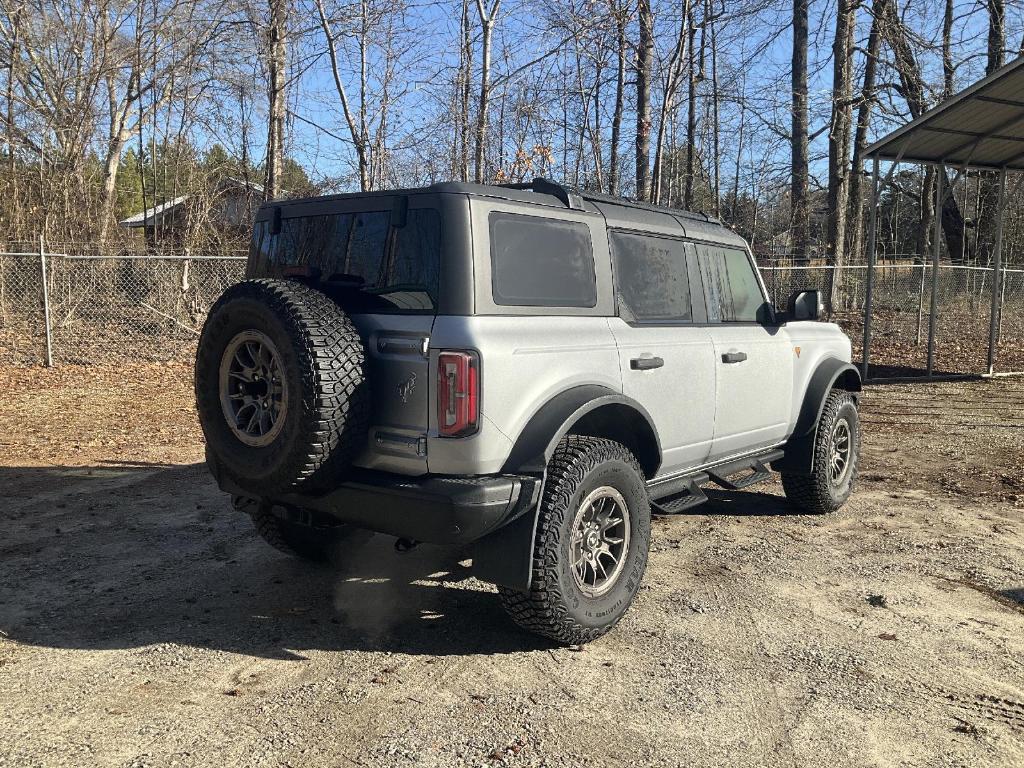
[527,369]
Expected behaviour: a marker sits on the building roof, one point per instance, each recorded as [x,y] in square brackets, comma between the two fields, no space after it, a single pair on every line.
[980,127]
[153,216]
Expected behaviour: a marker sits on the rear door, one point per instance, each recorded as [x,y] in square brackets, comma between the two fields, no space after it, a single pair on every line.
[378,257]
[753,357]
[665,353]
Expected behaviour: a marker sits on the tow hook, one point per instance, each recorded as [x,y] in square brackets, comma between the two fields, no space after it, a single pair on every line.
[405,545]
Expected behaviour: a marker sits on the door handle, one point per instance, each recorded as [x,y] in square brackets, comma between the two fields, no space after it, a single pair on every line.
[734,357]
[646,363]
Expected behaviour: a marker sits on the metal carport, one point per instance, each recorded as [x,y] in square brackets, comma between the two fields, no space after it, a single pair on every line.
[980,128]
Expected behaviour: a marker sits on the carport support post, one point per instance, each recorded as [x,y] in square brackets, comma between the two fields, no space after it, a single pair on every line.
[46,303]
[940,177]
[869,290]
[997,261]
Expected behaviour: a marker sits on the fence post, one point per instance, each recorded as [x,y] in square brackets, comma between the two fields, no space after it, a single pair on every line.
[997,277]
[940,198]
[46,303]
[868,290]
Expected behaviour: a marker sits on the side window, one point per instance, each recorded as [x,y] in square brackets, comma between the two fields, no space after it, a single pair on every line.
[538,262]
[733,293]
[650,278]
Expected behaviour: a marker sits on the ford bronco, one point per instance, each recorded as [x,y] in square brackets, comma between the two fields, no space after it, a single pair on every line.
[527,369]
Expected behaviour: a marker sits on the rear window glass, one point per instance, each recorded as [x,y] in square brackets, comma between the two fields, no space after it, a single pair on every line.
[650,278]
[733,293]
[537,262]
[380,268]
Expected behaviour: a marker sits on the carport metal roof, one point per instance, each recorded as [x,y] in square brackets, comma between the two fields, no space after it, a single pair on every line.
[980,127]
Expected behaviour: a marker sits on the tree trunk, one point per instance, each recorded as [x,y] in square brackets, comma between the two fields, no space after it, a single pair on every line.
[691,118]
[839,141]
[620,99]
[644,56]
[487,30]
[277,66]
[799,189]
[860,141]
[674,74]
[912,90]
[988,194]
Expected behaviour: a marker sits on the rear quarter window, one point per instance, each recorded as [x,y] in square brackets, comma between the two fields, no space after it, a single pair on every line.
[540,262]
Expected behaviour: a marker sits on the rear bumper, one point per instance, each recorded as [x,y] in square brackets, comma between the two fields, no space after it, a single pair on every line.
[435,509]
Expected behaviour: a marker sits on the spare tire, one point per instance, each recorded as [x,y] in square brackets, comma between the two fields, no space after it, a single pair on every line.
[281,387]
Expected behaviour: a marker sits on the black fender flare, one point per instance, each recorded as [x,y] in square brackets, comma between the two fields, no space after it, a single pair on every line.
[537,441]
[505,556]
[800,446]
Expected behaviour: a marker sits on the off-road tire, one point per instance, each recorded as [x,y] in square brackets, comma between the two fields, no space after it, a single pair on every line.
[323,363]
[554,606]
[315,544]
[815,493]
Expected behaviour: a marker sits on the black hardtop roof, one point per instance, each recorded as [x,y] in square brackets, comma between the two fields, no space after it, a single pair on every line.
[618,211]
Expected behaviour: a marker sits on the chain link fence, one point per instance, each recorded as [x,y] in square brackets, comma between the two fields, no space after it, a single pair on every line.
[107,308]
[110,307]
[900,319]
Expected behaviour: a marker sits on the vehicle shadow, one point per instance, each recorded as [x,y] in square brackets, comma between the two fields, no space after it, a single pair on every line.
[133,555]
[745,503]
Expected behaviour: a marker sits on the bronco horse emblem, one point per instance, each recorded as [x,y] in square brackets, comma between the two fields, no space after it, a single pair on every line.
[406,387]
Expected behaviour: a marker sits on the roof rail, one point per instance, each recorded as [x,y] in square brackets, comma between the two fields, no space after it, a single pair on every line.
[543,186]
[598,197]
[573,199]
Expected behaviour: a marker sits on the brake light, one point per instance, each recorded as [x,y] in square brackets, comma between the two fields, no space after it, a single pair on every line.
[458,393]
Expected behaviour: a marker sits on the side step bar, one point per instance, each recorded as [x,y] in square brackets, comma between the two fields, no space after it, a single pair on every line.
[680,494]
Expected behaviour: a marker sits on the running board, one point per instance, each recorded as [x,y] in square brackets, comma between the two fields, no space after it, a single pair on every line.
[678,495]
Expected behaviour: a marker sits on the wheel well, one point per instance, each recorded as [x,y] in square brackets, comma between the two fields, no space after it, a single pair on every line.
[848,380]
[625,425]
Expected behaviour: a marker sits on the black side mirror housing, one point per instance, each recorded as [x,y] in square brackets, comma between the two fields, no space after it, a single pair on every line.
[805,305]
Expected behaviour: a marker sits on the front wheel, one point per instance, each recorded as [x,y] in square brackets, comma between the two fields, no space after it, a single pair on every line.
[590,550]
[836,455]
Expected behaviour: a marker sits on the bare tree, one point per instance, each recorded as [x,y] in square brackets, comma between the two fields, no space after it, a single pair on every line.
[644,58]
[799,150]
[488,16]
[277,65]
[839,139]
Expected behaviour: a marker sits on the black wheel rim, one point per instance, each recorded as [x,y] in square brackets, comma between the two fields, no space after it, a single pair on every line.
[253,392]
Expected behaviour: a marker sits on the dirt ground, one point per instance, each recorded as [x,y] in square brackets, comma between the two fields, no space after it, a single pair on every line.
[142,623]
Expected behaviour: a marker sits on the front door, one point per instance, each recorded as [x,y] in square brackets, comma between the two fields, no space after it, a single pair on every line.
[666,357]
[753,358]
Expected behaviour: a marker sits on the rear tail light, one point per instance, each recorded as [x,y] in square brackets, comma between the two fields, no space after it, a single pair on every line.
[458,393]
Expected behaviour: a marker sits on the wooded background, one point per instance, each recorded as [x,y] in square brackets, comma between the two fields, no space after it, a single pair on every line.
[756,111]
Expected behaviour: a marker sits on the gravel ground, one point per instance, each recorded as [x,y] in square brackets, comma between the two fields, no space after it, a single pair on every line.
[142,623]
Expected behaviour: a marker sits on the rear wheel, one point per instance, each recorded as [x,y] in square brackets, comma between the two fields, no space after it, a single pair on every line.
[836,456]
[590,551]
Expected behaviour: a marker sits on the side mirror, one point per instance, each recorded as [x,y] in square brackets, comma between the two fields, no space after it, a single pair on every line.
[805,305]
